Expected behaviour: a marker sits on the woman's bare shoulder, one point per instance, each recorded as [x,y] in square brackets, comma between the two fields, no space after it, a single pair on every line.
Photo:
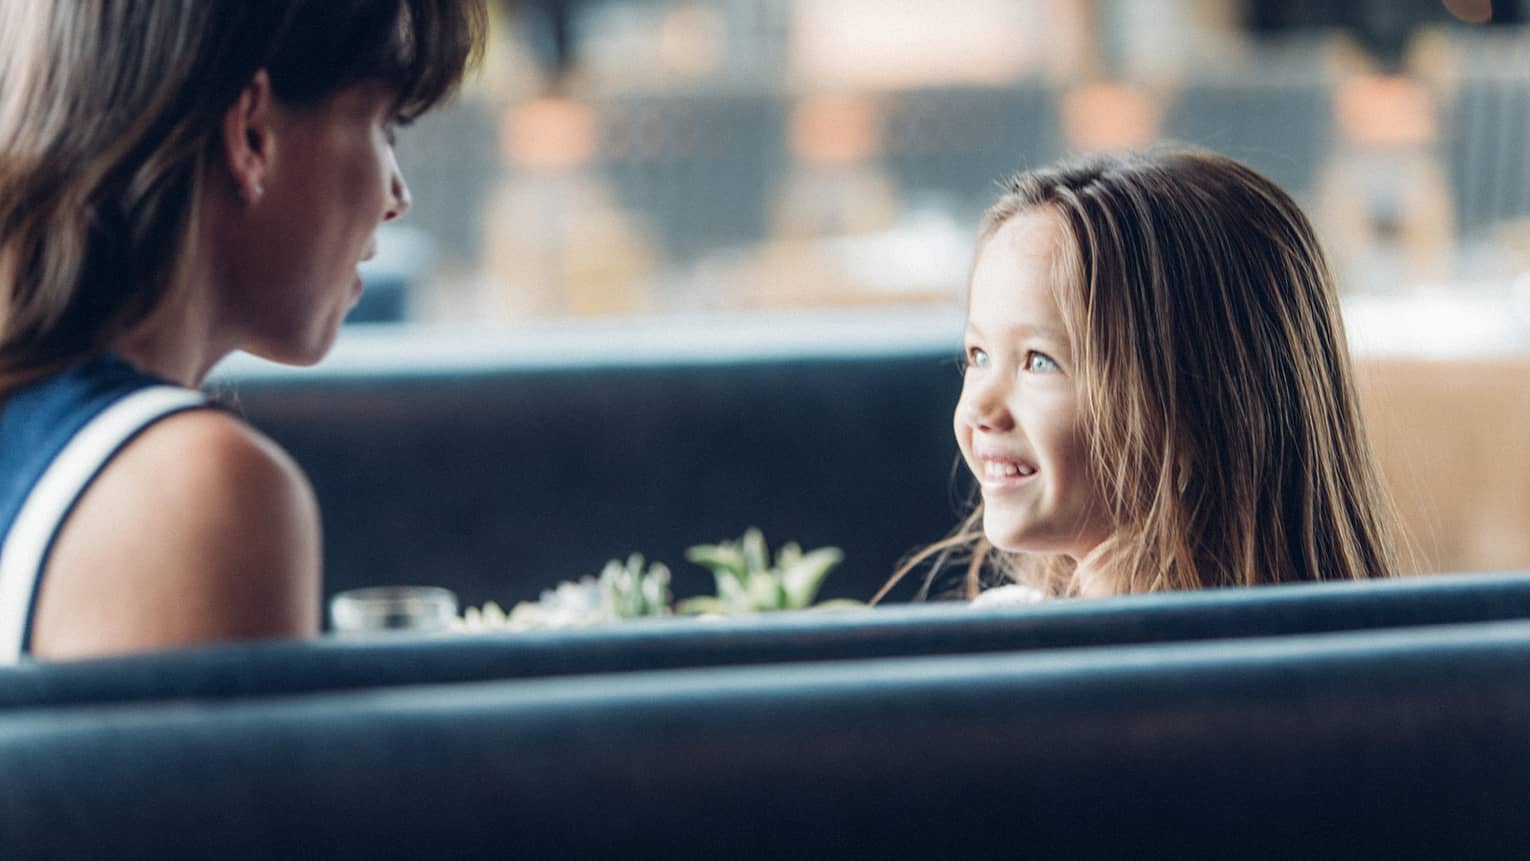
[200,529]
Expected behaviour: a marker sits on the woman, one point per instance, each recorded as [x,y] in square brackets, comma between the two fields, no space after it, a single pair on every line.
[179,180]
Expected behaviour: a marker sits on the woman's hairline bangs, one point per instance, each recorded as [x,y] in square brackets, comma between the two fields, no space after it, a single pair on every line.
[425,69]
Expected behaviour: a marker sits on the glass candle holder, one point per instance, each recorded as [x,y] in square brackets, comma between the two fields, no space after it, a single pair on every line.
[379,609]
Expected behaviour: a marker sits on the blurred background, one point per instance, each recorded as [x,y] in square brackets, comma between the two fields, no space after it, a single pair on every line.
[654,166]
[622,157]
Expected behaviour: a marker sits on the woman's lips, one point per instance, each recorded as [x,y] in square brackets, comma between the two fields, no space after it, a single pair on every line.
[359,286]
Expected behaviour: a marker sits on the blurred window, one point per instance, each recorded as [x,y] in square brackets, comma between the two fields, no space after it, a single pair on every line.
[622,157]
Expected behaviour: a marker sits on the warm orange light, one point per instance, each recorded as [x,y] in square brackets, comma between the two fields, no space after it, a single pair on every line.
[1385,111]
[548,134]
[835,130]
[1099,117]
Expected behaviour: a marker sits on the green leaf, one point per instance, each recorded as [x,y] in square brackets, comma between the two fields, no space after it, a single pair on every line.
[789,554]
[635,566]
[756,555]
[725,558]
[733,594]
[654,591]
[801,581]
[764,591]
[747,582]
[609,584]
[701,604]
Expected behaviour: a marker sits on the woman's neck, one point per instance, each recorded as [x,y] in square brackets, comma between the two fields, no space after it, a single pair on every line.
[177,342]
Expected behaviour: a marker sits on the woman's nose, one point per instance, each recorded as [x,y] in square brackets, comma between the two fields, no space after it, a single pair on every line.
[399,200]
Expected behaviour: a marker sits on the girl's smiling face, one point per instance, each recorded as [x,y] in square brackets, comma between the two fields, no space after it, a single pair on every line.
[1019,422]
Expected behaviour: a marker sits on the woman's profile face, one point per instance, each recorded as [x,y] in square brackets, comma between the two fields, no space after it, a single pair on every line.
[333,180]
[1018,422]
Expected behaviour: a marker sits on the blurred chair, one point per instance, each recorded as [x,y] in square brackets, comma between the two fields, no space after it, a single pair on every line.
[1487,118]
[963,142]
[557,240]
[1280,125]
[701,165]
[836,184]
[1383,198]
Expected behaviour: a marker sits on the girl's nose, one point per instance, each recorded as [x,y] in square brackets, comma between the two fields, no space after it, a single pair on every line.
[984,408]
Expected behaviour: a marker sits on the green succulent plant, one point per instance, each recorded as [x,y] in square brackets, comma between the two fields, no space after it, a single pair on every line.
[747,581]
[633,591]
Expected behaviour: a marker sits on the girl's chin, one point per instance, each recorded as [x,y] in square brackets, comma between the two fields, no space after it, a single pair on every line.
[1010,542]
[1023,538]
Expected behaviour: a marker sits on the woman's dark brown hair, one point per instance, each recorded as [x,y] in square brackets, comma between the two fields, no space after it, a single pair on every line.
[109,115]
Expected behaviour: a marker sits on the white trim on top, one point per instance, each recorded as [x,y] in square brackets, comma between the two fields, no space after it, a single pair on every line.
[43,512]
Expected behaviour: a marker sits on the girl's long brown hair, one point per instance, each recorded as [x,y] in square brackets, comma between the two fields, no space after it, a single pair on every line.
[1215,383]
[109,113]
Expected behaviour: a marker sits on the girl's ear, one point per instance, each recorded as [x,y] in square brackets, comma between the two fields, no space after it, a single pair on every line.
[249,138]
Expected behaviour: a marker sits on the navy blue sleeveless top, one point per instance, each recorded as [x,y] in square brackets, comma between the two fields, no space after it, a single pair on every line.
[55,437]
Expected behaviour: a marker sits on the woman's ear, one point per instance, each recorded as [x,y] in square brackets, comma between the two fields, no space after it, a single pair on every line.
[249,138]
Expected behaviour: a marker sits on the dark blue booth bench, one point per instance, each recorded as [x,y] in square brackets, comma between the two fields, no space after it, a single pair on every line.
[262,669]
[1403,743]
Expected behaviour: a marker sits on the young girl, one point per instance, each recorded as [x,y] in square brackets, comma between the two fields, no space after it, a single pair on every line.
[1157,391]
[179,180]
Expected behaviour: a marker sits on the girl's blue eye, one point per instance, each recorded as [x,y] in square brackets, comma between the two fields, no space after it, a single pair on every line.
[976,358]
[1041,363]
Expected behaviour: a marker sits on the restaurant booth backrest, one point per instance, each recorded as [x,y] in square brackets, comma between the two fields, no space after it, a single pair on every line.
[497,464]
[498,479]
[1403,743]
[264,669]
